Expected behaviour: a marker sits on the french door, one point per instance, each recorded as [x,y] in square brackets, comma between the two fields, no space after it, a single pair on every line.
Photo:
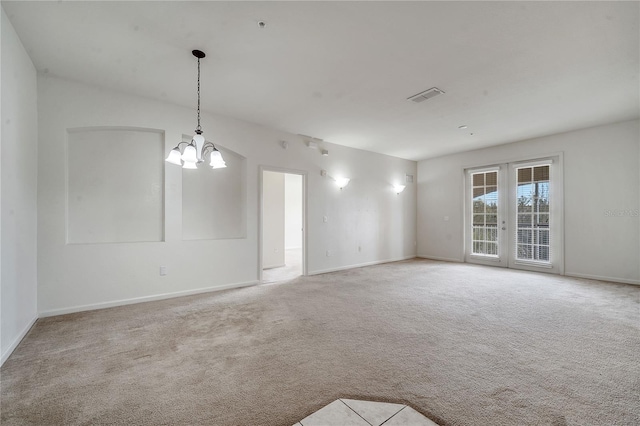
[514,215]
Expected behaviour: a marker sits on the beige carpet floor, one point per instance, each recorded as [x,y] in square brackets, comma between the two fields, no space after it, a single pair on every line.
[462,344]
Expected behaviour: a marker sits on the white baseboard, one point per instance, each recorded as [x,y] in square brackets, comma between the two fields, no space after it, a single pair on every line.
[7,353]
[444,259]
[360,265]
[131,301]
[568,274]
[274,266]
[599,278]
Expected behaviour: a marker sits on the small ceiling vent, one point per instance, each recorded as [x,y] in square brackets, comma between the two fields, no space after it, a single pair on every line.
[427,94]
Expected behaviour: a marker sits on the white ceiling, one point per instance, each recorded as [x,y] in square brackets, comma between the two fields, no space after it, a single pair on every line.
[341,71]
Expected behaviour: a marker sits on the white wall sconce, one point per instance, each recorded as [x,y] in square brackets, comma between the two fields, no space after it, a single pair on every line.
[399,188]
[342,182]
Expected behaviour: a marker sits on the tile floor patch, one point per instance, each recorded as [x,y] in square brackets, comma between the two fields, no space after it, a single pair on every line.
[336,413]
[409,416]
[375,413]
[355,412]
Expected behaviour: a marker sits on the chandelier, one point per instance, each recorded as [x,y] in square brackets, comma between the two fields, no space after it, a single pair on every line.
[195,152]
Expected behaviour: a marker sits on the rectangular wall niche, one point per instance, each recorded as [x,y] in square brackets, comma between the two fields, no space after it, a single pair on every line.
[214,201]
[115,185]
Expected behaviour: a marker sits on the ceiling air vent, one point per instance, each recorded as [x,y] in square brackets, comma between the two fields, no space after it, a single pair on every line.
[427,94]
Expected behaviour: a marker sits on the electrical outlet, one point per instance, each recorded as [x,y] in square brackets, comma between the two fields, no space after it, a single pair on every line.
[325,219]
[163,271]
[328,253]
[446,218]
[359,248]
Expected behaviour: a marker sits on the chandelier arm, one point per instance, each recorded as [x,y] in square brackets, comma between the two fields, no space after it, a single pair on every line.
[181,143]
[208,147]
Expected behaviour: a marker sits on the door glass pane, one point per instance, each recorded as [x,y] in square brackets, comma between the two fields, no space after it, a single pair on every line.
[479,204]
[492,249]
[491,179]
[484,199]
[533,207]
[524,251]
[524,175]
[478,179]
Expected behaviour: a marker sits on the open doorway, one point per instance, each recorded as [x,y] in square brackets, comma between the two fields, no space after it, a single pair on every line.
[282,225]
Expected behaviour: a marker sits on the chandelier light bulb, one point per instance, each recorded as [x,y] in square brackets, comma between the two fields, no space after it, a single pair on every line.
[216,160]
[189,165]
[220,165]
[174,157]
[190,155]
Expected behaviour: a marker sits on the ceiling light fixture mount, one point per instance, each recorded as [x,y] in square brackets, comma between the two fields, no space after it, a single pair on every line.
[195,151]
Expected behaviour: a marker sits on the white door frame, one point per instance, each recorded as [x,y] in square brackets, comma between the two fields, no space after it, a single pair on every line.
[302,173]
[502,259]
[557,198]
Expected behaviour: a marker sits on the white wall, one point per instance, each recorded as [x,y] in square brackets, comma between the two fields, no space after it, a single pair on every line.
[601,175]
[214,202]
[292,211]
[273,217]
[119,185]
[366,214]
[19,192]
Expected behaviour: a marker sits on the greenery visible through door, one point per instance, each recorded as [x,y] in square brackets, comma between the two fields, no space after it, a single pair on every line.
[532,239]
[485,213]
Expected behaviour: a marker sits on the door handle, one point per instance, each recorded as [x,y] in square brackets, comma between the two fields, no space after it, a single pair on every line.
[504,228]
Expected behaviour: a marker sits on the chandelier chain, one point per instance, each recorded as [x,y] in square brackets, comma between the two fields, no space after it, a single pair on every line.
[198,128]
